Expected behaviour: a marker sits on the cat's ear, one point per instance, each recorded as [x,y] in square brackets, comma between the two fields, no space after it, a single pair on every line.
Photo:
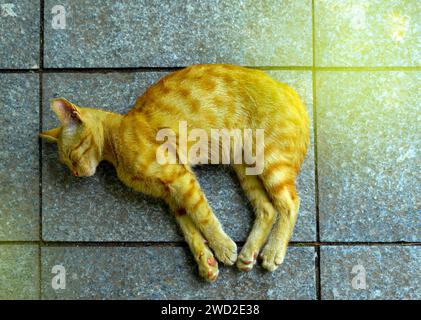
[67,112]
[51,135]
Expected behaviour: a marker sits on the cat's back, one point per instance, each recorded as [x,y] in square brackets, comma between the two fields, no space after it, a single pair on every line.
[215,96]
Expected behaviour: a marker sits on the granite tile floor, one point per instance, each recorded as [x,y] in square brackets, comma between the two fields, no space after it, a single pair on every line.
[355,63]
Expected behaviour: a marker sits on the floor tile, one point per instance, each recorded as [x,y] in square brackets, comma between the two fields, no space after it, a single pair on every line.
[379,272]
[368,146]
[19,272]
[169,273]
[179,33]
[368,33]
[20,29]
[19,157]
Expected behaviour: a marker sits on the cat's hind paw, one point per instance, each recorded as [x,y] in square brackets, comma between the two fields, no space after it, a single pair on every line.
[272,257]
[246,259]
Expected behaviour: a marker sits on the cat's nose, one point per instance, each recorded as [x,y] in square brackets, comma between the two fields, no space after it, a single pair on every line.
[75,173]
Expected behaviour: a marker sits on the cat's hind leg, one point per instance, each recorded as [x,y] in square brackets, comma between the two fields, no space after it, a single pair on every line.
[279,181]
[265,214]
[208,266]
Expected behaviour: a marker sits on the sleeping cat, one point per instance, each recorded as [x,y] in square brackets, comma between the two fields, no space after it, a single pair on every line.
[205,97]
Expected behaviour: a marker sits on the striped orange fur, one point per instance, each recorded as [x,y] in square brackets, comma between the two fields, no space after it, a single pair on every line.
[206,97]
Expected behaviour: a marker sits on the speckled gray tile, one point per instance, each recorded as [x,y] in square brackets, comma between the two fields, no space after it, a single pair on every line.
[19,272]
[376,272]
[368,155]
[100,208]
[19,28]
[176,33]
[170,273]
[19,164]
[368,33]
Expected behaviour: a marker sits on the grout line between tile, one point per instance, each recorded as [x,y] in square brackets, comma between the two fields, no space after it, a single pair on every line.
[365,69]
[41,67]
[316,172]
[183,243]
[169,69]
[40,182]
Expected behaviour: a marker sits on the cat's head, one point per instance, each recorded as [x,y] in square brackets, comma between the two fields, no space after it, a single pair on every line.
[79,138]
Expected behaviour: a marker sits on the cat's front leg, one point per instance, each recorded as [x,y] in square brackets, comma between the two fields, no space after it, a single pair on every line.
[186,192]
[208,266]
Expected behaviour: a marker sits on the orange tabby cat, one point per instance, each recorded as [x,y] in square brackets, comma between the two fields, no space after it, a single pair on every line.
[205,96]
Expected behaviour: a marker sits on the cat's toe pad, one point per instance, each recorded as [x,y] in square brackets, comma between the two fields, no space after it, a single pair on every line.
[212,275]
[211,261]
[208,267]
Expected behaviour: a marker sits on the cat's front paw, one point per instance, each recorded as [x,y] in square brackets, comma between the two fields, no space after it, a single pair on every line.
[225,250]
[208,266]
